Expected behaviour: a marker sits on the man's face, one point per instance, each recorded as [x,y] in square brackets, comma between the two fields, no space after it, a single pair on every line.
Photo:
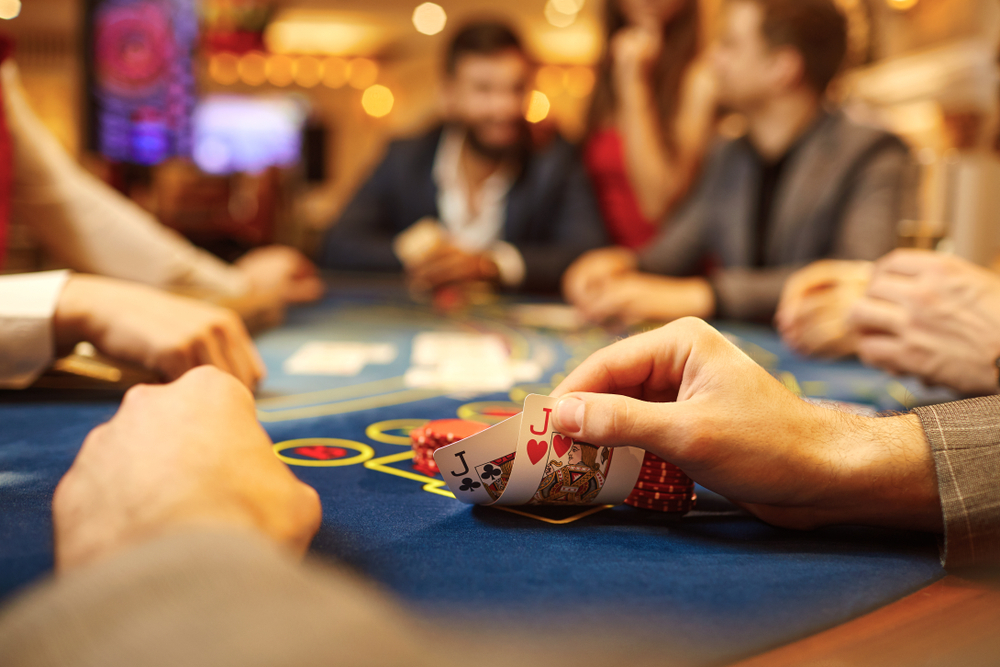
[486,95]
[743,60]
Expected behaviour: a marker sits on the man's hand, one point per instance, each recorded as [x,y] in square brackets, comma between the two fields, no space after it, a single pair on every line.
[592,270]
[282,272]
[182,455]
[934,316]
[641,297]
[815,304]
[165,333]
[686,394]
[447,265]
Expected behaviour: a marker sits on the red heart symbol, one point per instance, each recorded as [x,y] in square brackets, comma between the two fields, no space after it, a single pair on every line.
[536,450]
[561,444]
[321,453]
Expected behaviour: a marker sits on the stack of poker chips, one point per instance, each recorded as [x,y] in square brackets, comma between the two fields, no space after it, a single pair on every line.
[434,435]
[662,487]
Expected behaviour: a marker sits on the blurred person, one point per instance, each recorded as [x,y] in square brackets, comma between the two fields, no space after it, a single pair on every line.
[473,200]
[913,312]
[203,527]
[651,116]
[54,310]
[803,183]
[83,224]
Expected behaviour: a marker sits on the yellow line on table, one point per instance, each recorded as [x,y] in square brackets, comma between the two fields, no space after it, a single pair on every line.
[431,485]
[366,403]
[330,395]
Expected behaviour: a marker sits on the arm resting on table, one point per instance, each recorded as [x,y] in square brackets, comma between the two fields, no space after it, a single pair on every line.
[27,341]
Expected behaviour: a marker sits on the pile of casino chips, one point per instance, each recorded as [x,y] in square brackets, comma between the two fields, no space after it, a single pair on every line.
[662,487]
[434,435]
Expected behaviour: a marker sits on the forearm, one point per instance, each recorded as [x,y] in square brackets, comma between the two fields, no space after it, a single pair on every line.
[657,177]
[749,294]
[150,605]
[89,227]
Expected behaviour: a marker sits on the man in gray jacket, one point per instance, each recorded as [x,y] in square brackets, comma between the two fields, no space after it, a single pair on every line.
[802,184]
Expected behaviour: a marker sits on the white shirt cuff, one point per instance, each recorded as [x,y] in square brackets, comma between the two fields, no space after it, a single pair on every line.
[509,263]
[27,342]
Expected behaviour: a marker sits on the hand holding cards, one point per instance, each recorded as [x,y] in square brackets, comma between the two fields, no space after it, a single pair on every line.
[523,460]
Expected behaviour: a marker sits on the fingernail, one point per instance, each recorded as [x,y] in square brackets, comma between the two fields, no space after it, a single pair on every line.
[569,412]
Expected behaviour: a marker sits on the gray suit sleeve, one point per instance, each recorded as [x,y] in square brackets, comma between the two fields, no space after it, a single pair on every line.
[965,440]
[867,230]
[679,248]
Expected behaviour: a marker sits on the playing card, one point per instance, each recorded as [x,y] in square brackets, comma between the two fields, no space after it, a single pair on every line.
[557,317]
[477,468]
[541,467]
[338,358]
[416,242]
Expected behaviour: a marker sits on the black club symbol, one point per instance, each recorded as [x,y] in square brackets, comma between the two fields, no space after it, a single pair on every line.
[490,471]
[468,484]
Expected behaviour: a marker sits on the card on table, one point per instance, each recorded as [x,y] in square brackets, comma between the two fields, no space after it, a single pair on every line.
[524,460]
[344,358]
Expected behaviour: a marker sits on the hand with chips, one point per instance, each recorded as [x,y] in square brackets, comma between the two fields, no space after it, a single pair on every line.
[689,396]
[165,333]
[449,265]
[186,455]
[934,316]
[815,303]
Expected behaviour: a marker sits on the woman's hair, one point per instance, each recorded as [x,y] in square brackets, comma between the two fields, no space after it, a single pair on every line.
[681,38]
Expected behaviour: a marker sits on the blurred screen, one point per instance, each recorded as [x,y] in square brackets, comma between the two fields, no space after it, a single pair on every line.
[247,134]
[141,78]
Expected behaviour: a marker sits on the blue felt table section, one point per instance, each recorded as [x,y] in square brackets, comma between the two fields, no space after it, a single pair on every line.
[717,583]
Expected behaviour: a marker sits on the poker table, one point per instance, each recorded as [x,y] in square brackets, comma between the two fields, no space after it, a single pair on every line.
[715,586]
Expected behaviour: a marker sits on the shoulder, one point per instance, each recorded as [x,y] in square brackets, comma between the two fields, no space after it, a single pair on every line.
[410,152]
[858,139]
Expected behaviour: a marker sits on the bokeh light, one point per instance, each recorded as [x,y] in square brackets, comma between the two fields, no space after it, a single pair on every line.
[549,80]
[253,68]
[557,17]
[579,81]
[901,5]
[567,6]
[9,9]
[362,73]
[307,71]
[279,70]
[538,107]
[335,72]
[223,68]
[430,19]
[377,101]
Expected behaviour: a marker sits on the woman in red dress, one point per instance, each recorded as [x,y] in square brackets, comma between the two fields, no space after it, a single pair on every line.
[651,115]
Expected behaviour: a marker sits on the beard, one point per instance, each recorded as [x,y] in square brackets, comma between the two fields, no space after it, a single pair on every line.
[515,150]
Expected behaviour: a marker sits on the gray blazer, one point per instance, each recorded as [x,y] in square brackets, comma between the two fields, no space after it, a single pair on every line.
[840,196]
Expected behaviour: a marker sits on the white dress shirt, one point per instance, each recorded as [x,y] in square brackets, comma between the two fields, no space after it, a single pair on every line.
[83,224]
[475,226]
[27,341]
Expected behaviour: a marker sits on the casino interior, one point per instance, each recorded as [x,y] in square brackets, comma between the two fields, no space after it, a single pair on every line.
[241,124]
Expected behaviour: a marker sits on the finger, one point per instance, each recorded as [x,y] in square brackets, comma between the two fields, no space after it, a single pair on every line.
[894,288]
[875,315]
[236,349]
[304,289]
[650,365]
[907,262]
[882,351]
[175,362]
[611,420]
[208,352]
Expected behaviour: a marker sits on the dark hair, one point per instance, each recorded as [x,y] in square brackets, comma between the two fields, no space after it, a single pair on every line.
[814,28]
[484,38]
[681,36]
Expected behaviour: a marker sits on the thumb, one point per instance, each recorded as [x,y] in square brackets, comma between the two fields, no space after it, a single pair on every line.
[611,420]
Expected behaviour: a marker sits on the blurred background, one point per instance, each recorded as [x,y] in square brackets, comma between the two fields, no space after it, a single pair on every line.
[244,122]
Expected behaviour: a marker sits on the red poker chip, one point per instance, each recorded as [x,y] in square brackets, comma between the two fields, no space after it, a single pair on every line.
[663,477]
[658,487]
[660,467]
[681,507]
[655,495]
[453,430]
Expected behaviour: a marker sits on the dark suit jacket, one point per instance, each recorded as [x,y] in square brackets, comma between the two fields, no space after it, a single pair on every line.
[839,196]
[552,216]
